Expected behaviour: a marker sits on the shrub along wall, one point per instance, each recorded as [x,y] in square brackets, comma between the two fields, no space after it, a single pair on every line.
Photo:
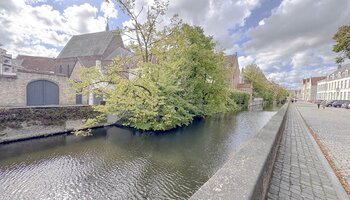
[46,116]
[241,98]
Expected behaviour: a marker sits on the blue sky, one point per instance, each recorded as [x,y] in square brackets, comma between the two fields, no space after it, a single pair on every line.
[288,39]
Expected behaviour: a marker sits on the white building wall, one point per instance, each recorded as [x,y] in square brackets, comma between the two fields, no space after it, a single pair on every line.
[338,86]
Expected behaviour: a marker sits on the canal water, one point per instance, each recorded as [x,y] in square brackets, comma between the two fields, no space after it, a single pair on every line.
[118,163]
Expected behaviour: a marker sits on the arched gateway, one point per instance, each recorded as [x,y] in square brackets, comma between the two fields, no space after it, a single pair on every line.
[42,92]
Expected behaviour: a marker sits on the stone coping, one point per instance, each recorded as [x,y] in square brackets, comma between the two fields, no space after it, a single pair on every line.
[247,173]
[44,106]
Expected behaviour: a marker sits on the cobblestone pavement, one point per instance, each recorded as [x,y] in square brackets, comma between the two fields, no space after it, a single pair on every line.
[298,172]
[332,125]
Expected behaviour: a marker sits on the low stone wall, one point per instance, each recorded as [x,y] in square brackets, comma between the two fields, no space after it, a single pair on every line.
[30,122]
[247,173]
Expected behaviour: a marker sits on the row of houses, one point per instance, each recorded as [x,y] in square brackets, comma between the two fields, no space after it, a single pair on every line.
[42,81]
[335,86]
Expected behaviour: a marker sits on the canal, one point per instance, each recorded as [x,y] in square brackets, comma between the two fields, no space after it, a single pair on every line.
[117,163]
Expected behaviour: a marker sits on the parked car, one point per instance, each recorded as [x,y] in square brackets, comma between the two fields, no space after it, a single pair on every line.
[329,103]
[338,103]
[346,105]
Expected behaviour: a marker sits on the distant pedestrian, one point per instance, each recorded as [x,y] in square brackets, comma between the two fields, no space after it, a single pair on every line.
[324,104]
[318,105]
[292,101]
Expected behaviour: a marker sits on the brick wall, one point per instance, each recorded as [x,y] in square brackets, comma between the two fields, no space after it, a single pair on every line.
[13,89]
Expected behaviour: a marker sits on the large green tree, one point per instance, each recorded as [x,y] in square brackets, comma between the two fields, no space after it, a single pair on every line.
[262,87]
[187,78]
[342,46]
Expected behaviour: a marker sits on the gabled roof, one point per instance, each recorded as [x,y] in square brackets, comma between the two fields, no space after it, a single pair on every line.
[88,44]
[342,68]
[314,80]
[119,52]
[232,60]
[37,63]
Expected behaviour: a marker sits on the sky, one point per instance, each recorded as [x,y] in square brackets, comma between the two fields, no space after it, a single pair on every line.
[288,39]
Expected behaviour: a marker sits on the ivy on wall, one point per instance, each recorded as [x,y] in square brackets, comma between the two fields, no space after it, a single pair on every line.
[15,117]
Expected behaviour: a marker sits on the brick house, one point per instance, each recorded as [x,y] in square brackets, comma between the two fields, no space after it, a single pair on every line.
[309,88]
[38,81]
[231,62]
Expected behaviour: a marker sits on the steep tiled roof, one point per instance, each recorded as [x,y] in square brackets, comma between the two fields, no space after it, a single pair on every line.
[36,63]
[89,44]
[314,80]
[119,52]
[85,49]
[232,60]
[342,68]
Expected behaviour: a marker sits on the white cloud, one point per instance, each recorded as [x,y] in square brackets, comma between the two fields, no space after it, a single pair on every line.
[297,38]
[109,9]
[261,23]
[245,60]
[38,30]
[217,17]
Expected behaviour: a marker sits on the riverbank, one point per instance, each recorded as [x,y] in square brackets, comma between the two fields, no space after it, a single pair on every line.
[24,123]
[17,124]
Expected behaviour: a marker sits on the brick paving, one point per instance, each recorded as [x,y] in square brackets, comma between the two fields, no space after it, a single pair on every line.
[298,172]
[332,125]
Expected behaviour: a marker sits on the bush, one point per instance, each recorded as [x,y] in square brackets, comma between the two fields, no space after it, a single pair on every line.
[240,98]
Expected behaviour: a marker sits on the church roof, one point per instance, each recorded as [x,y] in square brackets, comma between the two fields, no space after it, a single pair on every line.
[119,52]
[232,61]
[90,44]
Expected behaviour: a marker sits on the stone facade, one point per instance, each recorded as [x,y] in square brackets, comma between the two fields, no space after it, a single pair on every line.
[336,86]
[309,88]
[231,63]
[81,51]
[13,89]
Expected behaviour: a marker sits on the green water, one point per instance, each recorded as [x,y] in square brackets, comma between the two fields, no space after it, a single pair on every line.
[120,163]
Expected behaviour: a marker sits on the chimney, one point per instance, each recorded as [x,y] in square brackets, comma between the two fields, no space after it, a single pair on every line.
[98,63]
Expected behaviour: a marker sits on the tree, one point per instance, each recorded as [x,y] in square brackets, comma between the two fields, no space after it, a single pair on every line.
[262,87]
[141,30]
[187,79]
[342,46]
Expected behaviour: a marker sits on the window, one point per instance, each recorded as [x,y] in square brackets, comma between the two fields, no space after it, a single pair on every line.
[341,84]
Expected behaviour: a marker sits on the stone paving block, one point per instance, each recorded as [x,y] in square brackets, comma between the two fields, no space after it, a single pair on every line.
[332,127]
[298,173]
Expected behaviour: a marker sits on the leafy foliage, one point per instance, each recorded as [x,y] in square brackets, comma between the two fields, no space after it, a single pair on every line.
[187,79]
[240,98]
[342,37]
[262,87]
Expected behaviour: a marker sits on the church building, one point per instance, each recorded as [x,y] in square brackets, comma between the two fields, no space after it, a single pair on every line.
[42,81]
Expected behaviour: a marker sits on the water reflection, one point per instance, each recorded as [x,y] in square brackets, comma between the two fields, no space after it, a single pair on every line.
[117,163]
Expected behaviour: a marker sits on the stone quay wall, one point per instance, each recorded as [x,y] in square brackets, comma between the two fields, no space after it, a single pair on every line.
[247,173]
[32,122]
